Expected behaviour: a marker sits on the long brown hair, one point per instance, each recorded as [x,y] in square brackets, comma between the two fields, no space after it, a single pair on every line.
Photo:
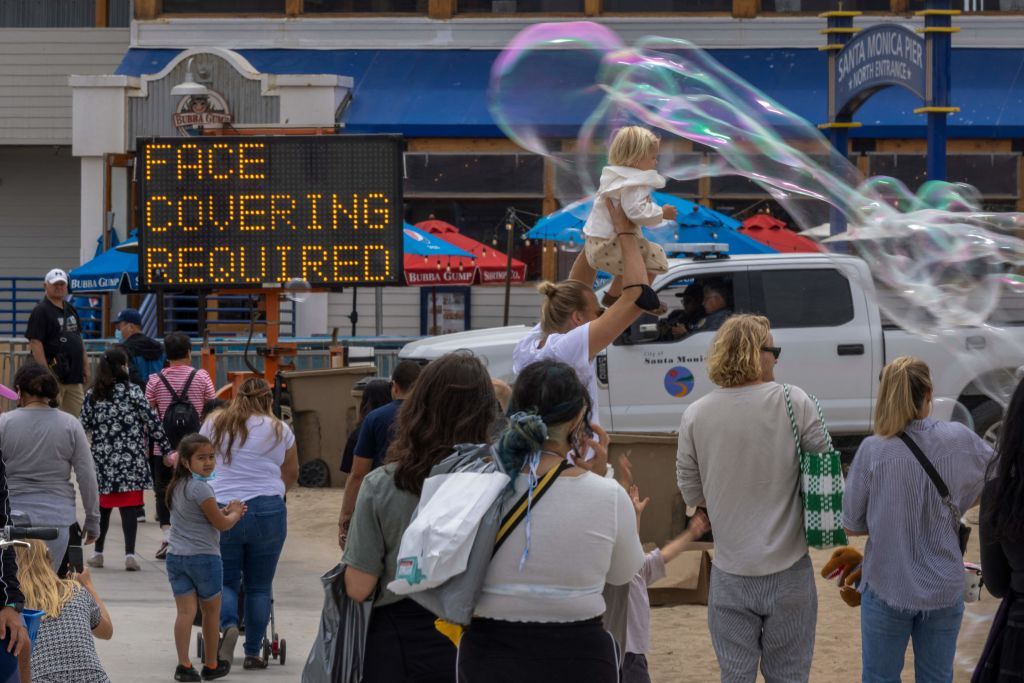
[254,398]
[452,402]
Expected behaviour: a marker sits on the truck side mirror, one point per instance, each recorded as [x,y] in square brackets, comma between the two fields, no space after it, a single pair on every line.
[640,332]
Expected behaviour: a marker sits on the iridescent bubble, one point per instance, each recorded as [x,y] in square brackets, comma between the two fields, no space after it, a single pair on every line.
[938,261]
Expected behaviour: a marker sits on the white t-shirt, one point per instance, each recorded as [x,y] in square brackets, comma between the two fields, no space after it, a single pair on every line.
[572,555]
[631,189]
[571,348]
[255,467]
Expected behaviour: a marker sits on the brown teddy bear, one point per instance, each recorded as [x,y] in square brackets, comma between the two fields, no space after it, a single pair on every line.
[845,565]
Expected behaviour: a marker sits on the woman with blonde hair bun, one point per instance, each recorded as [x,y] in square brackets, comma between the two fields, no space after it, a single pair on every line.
[73,614]
[256,463]
[912,579]
[573,327]
[738,458]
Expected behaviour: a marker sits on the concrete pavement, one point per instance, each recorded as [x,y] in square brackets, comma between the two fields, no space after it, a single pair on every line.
[142,607]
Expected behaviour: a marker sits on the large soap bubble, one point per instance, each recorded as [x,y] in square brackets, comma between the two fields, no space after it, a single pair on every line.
[939,262]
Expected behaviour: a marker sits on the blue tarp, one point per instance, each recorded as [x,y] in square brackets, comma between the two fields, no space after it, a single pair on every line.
[443,93]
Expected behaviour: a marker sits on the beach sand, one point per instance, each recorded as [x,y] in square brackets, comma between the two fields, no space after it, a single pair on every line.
[681,649]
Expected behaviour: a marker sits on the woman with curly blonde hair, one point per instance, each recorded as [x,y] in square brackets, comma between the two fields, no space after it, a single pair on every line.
[738,458]
[256,463]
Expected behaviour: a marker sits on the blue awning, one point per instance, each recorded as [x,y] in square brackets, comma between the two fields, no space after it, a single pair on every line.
[111,271]
[443,93]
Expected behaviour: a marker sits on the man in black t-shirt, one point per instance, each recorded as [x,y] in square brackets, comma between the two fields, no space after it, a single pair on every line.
[54,335]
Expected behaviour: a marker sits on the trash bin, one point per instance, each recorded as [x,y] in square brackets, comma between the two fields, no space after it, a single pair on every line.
[324,411]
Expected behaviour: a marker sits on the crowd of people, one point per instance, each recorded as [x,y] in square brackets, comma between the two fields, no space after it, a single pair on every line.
[144,419]
[551,606]
[564,594]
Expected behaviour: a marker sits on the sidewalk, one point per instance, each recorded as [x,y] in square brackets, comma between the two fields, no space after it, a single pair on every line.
[142,607]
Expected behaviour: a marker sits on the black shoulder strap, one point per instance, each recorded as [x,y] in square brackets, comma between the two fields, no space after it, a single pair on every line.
[174,396]
[927,465]
[518,511]
[188,384]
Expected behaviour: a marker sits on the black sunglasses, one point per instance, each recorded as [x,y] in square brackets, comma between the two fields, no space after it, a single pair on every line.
[774,350]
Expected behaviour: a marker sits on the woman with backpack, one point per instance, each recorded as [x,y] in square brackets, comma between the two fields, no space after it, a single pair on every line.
[178,394]
[257,462]
[121,424]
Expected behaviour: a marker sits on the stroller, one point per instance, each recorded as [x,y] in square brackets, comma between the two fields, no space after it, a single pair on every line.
[273,647]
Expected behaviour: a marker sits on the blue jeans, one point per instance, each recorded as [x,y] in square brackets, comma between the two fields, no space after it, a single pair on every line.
[884,634]
[251,549]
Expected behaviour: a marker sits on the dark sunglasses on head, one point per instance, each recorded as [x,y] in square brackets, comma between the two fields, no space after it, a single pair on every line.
[774,350]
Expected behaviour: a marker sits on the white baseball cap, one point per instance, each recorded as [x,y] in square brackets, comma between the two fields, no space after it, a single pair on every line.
[56,275]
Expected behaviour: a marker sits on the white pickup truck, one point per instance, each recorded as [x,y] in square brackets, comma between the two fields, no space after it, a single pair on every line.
[824,316]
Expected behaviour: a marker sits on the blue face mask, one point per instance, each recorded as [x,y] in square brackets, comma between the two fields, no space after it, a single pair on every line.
[117,335]
[199,477]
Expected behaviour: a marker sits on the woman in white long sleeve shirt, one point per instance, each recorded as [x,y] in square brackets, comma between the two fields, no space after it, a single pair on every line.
[538,618]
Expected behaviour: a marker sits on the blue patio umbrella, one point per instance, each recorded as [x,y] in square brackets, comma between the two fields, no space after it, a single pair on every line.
[566,225]
[420,243]
[110,271]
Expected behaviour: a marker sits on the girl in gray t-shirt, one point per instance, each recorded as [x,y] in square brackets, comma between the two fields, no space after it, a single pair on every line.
[193,559]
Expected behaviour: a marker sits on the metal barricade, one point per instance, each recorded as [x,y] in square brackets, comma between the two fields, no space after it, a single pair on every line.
[312,354]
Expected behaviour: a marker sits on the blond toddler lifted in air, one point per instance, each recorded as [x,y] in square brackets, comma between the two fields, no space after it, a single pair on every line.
[628,180]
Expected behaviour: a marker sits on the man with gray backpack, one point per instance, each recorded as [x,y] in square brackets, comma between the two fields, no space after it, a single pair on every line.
[177,393]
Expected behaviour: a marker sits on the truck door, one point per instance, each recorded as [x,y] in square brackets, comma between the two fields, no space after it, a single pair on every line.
[653,371]
[825,336]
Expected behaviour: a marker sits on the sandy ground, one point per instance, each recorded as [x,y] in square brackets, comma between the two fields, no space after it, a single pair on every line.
[143,612]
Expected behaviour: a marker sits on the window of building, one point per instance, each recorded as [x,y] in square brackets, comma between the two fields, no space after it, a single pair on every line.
[823,6]
[223,6]
[369,6]
[634,6]
[804,298]
[514,6]
[60,13]
[484,221]
[994,175]
[447,175]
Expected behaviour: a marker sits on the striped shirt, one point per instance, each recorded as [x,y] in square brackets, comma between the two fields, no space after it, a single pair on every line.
[912,560]
[199,392]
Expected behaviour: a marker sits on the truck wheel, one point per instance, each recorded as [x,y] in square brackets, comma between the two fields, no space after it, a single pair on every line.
[988,420]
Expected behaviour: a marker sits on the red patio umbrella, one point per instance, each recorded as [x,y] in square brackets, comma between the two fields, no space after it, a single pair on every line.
[773,232]
[490,264]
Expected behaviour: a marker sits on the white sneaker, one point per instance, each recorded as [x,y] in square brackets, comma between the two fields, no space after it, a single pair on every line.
[131,563]
[96,561]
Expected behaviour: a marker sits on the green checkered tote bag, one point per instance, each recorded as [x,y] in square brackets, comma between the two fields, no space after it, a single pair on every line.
[821,486]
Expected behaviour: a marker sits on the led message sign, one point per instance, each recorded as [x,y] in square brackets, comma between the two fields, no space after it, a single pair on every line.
[224,212]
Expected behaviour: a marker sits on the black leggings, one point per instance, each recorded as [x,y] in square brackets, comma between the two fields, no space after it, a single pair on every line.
[495,651]
[129,525]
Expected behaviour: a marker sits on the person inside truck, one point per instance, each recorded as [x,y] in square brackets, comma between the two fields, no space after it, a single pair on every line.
[682,321]
[716,307]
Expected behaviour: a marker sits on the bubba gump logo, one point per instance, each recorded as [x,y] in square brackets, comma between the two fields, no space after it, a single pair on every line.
[200,111]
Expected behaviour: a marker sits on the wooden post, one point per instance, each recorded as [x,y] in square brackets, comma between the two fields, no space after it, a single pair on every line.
[899,6]
[746,9]
[592,8]
[441,9]
[146,10]
[549,257]
[293,8]
[102,13]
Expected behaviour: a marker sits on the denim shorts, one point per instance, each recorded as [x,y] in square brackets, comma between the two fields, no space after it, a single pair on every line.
[202,574]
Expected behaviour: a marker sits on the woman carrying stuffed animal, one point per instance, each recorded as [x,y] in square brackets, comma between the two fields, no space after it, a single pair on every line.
[912,580]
